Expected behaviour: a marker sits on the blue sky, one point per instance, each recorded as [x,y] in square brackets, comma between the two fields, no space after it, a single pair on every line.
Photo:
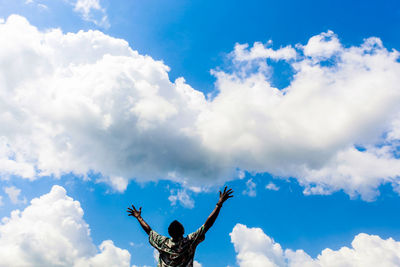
[305,128]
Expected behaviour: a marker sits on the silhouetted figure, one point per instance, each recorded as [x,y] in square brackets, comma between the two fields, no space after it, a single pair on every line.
[178,251]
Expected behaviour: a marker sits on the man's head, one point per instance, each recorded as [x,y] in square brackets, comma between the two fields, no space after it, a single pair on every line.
[176,230]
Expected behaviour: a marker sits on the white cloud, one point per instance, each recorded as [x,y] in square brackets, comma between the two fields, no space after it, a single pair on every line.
[182,197]
[51,232]
[250,188]
[272,186]
[323,46]
[13,193]
[85,6]
[254,248]
[87,103]
[1,201]
[118,183]
[261,51]
[91,10]
[309,130]
[37,3]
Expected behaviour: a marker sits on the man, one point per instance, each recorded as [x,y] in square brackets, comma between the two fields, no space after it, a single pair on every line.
[178,251]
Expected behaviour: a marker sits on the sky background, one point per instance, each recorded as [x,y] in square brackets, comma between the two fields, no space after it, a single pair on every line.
[303,123]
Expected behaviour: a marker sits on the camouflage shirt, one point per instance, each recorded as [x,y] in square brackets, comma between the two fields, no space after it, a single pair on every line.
[176,254]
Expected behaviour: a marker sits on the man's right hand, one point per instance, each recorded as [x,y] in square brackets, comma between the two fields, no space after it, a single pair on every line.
[134,212]
[223,196]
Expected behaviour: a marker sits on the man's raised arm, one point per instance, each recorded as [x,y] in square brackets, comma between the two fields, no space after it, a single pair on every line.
[223,196]
[136,213]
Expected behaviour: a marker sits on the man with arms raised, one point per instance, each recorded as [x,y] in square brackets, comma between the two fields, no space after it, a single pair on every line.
[178,251]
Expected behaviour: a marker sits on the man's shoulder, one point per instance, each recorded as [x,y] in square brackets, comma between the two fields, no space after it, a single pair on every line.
[199,233]
[156,237]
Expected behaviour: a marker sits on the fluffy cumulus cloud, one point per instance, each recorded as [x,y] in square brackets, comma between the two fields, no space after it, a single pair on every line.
[87,103]
[256,249]
[52,232]
[334,127]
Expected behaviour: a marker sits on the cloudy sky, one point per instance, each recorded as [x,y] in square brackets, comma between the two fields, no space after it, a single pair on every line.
[293,104]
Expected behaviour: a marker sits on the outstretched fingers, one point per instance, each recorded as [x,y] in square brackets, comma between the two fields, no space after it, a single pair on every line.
[131,211]
[227,193]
